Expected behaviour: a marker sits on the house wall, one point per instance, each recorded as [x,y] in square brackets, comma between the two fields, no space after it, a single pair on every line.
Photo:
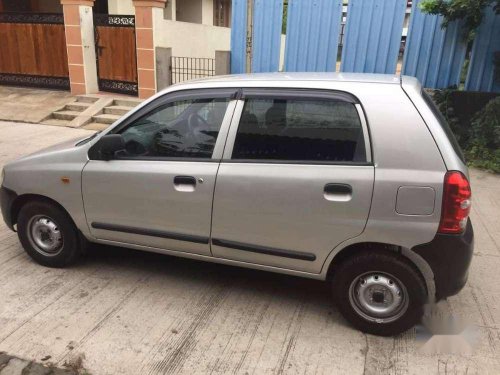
[207,12]
[121,7]
[169,13]
[189,39]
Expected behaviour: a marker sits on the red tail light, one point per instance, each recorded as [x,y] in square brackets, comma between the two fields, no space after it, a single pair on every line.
[456,203]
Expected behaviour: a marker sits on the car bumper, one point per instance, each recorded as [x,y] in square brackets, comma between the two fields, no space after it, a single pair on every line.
[449,256]
[7,198]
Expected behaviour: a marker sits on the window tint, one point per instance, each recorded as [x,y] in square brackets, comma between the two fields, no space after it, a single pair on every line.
[301,130]
[444,124]
[184,129]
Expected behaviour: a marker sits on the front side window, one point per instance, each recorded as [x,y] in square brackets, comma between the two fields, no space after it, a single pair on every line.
[179,129]
[300,130]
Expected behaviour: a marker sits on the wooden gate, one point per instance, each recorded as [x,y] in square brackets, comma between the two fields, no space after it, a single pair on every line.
[33,50]
[116,53]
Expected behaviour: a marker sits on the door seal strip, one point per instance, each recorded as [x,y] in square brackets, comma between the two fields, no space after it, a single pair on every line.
[150,232]
[265,250]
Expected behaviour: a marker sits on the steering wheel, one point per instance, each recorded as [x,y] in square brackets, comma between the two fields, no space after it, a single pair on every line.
[195,122]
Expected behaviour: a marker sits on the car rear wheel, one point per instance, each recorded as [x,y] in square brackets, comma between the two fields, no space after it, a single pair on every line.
[48,234]
[379,293]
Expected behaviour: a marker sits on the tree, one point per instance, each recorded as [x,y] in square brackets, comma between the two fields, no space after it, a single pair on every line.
[471,11]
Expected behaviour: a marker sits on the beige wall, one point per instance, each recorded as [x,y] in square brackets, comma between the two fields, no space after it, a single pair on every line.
[169,13]
[190,39]
[122,7]
[207,12]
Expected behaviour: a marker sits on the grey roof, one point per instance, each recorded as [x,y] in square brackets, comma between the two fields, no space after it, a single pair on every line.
[287,76]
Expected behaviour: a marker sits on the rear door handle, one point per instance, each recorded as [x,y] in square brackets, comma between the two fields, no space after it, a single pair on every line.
[338,192]
[184,183]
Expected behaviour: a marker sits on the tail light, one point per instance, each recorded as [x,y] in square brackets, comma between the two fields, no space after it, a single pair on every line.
[456,203]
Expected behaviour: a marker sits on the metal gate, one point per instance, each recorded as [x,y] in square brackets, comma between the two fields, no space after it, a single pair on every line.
[186,68]
[33,50]
[116,53]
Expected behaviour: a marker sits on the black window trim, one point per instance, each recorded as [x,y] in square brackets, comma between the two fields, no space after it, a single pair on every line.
[223,92]
[298,93]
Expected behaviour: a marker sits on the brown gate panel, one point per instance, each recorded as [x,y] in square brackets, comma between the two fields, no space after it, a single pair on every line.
[116,53]
[33,53]
[117,60]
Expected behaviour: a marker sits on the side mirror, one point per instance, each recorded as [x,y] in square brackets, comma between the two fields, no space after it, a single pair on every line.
[110,144]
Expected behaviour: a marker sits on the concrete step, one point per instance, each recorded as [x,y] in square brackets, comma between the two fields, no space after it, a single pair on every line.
[95,126]
[65,115]
[119,110]
[55,122]
[105,118]
[77,106]
[86,99]
[131,103]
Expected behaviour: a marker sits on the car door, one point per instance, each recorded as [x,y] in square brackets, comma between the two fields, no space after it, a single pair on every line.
[158,192]
[295,181]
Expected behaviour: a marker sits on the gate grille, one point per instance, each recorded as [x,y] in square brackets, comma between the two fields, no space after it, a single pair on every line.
[186,68]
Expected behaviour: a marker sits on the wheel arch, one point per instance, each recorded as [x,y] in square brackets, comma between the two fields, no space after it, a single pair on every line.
[420,264]
[23,199]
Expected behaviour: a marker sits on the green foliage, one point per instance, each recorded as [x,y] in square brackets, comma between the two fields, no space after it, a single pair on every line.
[484,145]
[442,98]
[480,140]
[285,17]
[471,11]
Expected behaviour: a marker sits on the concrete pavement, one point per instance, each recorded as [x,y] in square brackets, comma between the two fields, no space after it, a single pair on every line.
[129,312]
[30,105]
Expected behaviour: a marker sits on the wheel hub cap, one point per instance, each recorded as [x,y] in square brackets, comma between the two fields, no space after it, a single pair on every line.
[378,297]
[45,235]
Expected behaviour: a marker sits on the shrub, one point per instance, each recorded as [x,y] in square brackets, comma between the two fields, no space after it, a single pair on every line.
[478,137]
[484,146]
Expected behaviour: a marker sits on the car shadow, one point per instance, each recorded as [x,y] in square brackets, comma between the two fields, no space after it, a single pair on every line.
[287,289]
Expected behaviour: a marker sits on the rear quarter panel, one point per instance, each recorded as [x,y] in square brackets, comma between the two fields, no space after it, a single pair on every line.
[404,154]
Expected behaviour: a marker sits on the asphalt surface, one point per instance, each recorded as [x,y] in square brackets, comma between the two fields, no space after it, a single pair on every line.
[127,312]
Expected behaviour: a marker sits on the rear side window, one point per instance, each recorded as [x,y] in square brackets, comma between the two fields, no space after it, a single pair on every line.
[297,129]
[444,124]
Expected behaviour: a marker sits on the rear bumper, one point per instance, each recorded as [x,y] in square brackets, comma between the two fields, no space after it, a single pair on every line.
[449,256]
[7,198]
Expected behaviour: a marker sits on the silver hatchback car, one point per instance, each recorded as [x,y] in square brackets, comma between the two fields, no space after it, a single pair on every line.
[351,178]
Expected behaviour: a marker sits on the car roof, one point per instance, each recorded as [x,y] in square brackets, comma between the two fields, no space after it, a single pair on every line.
[304,76]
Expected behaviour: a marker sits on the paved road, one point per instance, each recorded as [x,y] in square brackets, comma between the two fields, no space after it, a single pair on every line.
[136,313]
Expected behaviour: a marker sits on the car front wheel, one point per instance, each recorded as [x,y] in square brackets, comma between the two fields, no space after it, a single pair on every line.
[48,234]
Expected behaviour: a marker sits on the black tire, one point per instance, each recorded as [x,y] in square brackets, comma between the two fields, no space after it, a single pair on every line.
[69,249]
[354,272]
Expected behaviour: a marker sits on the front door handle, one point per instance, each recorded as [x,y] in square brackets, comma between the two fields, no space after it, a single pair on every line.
[184,180]
[184,183]
[338,192]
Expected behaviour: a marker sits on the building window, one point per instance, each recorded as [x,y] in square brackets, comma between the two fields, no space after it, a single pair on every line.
[222,13]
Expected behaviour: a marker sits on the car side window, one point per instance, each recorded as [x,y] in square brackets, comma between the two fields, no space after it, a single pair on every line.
[310,129]
[179,129]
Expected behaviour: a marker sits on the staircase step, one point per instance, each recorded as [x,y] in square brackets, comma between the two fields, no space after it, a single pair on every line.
[105,118]
[86,99]
[131,103]
[95,126]
[55,122]
[119,110]
[77,106]
[65,115]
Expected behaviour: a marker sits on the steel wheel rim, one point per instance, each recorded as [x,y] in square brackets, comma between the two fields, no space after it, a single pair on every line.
[378,297]
[45,236]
